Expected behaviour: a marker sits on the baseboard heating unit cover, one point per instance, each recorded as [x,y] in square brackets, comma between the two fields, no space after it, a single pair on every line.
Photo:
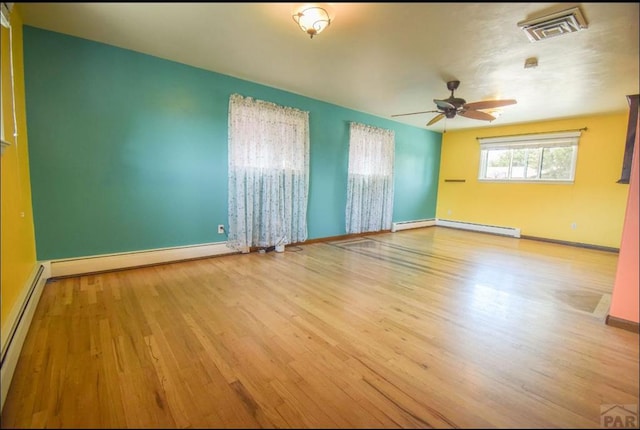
[405,225]
[503,231]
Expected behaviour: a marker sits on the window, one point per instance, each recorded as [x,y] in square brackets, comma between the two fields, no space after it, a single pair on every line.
[268,173]
[370,179]
[545,157]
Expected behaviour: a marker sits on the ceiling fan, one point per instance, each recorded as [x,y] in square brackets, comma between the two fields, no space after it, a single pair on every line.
[453,106]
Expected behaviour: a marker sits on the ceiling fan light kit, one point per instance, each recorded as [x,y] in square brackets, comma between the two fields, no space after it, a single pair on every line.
[453,106]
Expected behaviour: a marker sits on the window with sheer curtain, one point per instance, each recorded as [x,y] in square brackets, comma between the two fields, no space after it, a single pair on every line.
[268,173]
[370,179]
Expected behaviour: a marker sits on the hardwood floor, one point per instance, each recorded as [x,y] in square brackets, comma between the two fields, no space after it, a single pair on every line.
[431,327]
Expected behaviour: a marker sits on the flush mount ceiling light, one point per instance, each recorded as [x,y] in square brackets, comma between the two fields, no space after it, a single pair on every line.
[312,18]
[556,24]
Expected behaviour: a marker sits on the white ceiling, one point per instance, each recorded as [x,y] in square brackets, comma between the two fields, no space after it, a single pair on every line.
[384,58]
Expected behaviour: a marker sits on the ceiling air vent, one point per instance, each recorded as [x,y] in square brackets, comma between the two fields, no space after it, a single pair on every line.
[557,24]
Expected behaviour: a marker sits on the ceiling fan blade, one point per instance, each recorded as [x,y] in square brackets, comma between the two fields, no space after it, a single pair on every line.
[476,114]
[414,113]
[435,119]
[489,104]
[443,104]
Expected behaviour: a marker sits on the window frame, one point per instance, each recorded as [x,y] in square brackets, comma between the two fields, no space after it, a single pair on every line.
[535,141]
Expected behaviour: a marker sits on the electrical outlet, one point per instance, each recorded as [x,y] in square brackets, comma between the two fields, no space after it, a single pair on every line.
[574,225]
[220,229]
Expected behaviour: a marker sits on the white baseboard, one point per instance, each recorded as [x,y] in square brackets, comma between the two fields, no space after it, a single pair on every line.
[405,225]
[503,231]
[15,330]
[103,263]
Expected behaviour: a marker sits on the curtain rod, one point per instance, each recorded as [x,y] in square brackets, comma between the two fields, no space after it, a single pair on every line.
[529,134]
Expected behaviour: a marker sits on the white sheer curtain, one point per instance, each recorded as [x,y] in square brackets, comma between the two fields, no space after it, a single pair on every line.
[268,173]
[370,184]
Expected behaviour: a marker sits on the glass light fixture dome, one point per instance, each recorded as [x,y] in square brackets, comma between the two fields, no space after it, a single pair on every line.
[312,18]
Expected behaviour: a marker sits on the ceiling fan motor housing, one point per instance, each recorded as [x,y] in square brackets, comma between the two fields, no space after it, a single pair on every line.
[457,102]
[450,113]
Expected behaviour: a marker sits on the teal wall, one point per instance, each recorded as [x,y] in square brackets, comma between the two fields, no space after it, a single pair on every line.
[129,151]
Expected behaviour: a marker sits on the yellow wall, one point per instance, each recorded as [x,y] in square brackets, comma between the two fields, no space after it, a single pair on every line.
[18,252]
[594,202]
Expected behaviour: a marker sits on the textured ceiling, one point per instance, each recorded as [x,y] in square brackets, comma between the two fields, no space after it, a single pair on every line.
[385,58]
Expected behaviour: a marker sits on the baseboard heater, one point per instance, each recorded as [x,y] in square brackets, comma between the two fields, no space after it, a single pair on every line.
[405,225]
[19,322]
[484,228]
[125,260]
[503,231]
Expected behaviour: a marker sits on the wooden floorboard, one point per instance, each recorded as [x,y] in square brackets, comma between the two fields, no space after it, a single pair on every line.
[431,327]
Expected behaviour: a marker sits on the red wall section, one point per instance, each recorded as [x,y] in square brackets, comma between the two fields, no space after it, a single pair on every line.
[624,300]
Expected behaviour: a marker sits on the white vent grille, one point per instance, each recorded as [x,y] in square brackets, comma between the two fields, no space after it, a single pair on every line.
[557,24]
